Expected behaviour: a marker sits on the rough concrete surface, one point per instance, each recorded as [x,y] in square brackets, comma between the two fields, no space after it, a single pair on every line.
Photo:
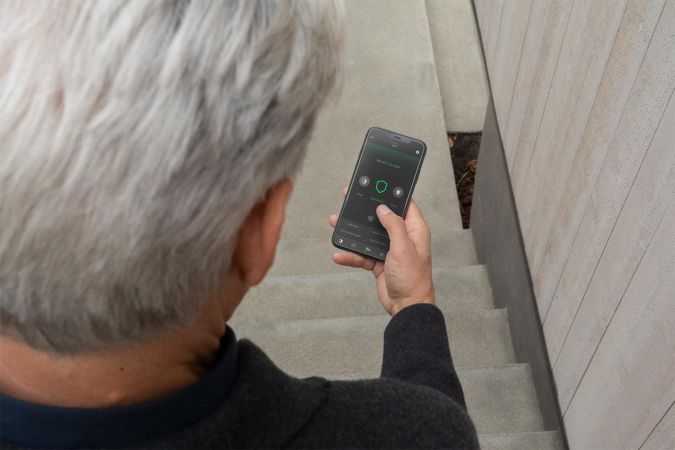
[459,65]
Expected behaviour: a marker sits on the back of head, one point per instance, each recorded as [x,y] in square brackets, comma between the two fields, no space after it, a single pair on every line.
[135,136]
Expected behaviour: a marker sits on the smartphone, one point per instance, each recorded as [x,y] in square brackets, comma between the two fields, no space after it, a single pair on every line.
[386,172]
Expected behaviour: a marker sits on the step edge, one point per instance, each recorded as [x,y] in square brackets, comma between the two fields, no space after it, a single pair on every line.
[497,312]
[478,268]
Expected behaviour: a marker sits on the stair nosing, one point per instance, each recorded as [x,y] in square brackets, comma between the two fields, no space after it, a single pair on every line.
[442,268]
[271,321]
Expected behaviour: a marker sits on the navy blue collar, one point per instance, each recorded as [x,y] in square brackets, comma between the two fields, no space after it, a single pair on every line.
[36,425]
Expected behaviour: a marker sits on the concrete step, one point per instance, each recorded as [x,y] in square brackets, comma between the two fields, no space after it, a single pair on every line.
[313,255]
[349,345]
[352,293]
[542,440]
[500,399]
[390,82]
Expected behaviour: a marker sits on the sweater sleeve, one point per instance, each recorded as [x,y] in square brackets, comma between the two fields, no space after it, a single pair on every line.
[416,350]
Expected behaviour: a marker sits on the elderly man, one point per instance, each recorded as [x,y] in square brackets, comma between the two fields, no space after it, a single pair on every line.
[146,153]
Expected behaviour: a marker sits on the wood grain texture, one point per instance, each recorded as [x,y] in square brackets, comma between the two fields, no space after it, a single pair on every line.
[492,17]
[663,435]
[644,111]
[480,15]
[540,52]
[629,386]
[515,17]
[629,48]
[569,103]
[653,189]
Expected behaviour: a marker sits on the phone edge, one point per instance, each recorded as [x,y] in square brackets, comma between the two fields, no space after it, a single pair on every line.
[351,182]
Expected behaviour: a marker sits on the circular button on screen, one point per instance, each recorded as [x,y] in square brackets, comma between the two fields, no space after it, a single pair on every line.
[398,192]
[364,181]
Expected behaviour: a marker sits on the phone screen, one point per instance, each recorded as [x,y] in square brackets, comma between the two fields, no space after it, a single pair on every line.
[385,172]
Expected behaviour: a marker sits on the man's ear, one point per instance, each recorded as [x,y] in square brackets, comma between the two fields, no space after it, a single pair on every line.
[259,234]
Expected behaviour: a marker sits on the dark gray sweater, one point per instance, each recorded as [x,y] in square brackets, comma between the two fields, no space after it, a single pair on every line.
[417,403]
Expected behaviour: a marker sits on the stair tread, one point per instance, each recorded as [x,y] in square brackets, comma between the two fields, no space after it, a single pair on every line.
[539,440]
[501,398]
[406,100]
[313,255]
[327,346]
[353,294]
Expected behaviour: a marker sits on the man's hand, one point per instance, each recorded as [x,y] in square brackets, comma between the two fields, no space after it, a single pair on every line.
[404,278]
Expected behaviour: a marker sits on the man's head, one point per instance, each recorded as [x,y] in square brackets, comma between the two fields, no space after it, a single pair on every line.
[143,144]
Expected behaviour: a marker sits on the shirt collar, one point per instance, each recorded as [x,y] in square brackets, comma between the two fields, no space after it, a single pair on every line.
[37,425]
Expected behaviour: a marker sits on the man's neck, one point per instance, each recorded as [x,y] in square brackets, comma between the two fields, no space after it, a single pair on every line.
[122,376]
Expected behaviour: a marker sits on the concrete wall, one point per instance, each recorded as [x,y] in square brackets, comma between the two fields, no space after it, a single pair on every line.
[461,76]
[583,94]
[499,246]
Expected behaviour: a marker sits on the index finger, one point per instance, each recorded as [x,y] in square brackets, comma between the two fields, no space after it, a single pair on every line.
[414,218]
[417,227]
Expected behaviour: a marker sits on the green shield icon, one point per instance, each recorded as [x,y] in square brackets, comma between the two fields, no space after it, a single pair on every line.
[381,186]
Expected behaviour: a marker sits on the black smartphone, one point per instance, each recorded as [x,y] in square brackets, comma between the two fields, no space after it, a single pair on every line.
[386,172]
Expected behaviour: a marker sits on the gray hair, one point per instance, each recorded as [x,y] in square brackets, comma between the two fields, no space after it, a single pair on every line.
[135,137]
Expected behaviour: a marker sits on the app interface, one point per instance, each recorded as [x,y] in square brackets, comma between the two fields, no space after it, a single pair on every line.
[385,174]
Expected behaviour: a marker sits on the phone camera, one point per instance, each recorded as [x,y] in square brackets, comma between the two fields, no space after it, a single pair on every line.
[417,152]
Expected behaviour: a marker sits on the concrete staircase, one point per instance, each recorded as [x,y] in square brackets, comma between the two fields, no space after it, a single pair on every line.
[315,318]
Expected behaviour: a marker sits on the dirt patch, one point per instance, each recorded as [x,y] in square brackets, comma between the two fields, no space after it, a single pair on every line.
[464,154]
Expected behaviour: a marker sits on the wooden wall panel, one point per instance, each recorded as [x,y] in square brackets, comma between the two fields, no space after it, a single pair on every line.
[629,48]
[569,102]
[644,111]
[480,6]
[488,14]
[515,17]
[586,110]
[493,18]
[652,190]
[543,39]
[629,385]
[663,435]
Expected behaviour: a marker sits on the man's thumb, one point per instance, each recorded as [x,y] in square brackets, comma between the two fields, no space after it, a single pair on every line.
[394,224]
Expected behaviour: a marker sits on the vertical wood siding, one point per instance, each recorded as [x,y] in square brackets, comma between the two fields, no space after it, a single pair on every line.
[583,91]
